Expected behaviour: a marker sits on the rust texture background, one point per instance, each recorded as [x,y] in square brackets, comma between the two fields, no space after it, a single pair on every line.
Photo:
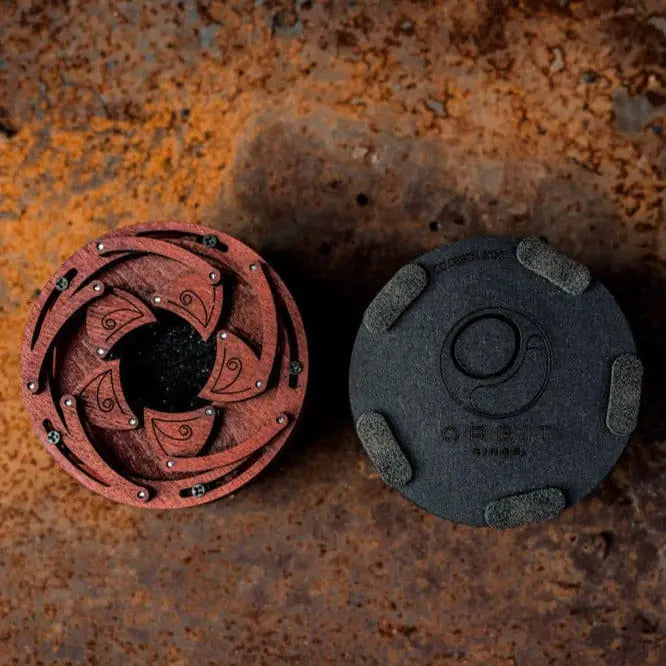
[339,139]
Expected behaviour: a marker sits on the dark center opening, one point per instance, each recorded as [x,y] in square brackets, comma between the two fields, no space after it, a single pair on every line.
[164,365]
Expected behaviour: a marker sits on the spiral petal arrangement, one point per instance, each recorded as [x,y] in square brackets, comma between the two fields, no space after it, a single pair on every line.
[73,362]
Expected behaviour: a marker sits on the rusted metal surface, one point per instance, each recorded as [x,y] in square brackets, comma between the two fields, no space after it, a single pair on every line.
[340,140]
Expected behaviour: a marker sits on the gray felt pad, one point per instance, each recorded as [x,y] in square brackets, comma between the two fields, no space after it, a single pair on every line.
[549,263]
[531,507]
[383,449]
[625,395]
[395,297]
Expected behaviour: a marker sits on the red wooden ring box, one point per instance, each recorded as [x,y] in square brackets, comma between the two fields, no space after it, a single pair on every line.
[84,353]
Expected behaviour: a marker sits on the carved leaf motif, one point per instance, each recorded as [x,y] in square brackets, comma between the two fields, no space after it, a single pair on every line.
[229,459]
[194,299]
[183,434]
[103,400]
[113,316]
[88,465]
[234,372]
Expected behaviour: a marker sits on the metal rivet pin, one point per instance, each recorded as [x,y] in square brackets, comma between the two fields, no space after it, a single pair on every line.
[198,491]
[61,283]
[258,383]
[224,335]
[212,276]
[97,287]
[209,411]
[68,402]
[100,246]
[53,437]
[253,267]
[281,419]
[157,299]
[171,463]
[133,421]
[32,386]
[100,351]
[142,494]
[295,368]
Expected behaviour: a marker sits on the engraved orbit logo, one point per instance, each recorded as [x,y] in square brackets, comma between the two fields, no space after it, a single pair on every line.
[502,440]
[496,363]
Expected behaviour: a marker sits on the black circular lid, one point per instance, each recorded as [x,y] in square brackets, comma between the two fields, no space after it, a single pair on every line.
[494,382]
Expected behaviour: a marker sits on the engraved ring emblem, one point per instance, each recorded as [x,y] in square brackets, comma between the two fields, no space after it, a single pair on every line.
[496,362]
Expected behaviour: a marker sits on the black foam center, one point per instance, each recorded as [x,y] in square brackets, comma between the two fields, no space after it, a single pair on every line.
[165,365]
